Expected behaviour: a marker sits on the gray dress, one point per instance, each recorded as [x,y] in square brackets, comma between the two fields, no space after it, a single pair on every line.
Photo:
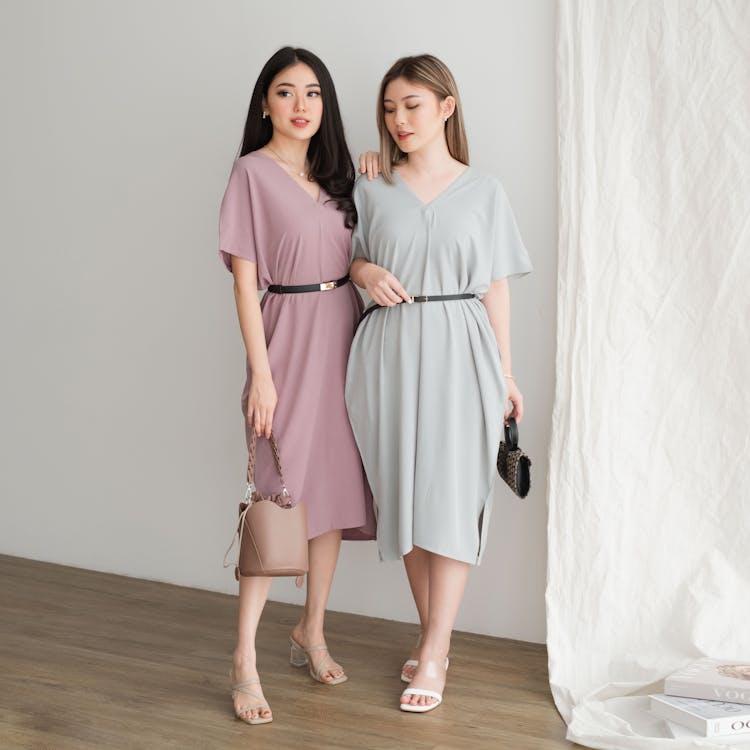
[425,388]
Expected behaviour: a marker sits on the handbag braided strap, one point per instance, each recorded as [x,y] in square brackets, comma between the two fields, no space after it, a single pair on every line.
[251,465]
[250,492]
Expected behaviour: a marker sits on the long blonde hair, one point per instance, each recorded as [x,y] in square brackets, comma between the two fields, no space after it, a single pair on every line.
[433,74]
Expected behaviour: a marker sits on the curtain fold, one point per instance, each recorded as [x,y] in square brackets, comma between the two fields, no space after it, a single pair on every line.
[649,492]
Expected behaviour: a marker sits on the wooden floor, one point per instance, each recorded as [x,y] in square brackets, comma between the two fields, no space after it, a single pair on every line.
[91,661]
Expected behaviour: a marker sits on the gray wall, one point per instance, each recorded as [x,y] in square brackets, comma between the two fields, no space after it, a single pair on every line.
[122,446]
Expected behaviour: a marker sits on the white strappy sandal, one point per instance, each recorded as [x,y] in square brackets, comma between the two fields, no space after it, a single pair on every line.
[415,663]
[421,709]
[432,670]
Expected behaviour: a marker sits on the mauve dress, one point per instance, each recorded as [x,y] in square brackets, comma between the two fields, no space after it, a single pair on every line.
[267,218]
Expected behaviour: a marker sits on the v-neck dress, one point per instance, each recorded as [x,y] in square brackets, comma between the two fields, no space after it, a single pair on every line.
[425,388]
[270,220]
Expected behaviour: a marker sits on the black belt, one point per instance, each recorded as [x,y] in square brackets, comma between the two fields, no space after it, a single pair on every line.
[324,286]
[421,298]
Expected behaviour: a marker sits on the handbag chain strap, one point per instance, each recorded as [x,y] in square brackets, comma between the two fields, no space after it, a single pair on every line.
[251,465]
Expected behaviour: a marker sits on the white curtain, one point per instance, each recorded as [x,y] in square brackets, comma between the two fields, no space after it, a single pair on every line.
[649,534]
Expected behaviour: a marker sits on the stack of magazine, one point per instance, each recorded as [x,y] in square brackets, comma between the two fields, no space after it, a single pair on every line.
[708,698]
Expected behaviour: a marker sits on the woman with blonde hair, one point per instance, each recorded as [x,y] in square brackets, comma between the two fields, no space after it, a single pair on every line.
[429,371]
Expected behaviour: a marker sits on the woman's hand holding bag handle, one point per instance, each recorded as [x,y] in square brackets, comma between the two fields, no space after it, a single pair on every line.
[272,531]
[513,465]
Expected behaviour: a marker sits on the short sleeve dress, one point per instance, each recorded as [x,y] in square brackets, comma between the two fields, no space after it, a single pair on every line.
[267,218]
[425,388]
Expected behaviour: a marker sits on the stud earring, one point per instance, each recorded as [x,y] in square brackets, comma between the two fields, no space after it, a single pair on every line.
[265,114]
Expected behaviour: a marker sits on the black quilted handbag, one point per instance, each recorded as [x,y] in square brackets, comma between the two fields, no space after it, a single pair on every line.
[513,465]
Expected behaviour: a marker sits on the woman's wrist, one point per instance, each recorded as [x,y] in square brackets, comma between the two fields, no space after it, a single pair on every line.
[508,376]
[355,271]
[263,373]
[365,275]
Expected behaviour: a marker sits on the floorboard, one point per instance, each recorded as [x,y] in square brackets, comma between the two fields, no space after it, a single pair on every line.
[90,660]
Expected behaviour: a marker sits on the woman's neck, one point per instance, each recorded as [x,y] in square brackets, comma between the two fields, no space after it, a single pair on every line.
[432,158]
[291,149]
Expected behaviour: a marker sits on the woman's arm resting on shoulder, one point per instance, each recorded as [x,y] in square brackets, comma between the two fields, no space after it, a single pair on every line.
[262,398]
[380,284]
[497,302]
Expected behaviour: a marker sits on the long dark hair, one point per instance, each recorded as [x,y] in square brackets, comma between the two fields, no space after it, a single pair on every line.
[330,162]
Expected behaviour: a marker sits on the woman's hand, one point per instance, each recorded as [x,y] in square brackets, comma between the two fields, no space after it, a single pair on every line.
[381,285]
[369,162]
[515,408]
[261,404]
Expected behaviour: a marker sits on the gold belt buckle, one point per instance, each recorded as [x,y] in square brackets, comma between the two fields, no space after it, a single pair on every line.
[326,285]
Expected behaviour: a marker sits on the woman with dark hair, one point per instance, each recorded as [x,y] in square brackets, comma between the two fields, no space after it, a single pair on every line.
[430,378]
[285,227]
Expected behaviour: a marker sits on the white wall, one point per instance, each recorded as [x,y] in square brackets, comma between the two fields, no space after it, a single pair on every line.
[122,445]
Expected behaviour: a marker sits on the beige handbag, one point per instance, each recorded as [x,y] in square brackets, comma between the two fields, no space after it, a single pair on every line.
[272,531]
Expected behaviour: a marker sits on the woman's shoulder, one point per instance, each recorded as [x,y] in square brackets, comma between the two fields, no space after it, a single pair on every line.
[367,193]
[488,187]
[252,163]
[486,181]
[364,186]
[375,194]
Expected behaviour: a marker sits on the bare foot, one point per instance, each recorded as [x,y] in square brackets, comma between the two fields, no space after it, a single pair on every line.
[248,701]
